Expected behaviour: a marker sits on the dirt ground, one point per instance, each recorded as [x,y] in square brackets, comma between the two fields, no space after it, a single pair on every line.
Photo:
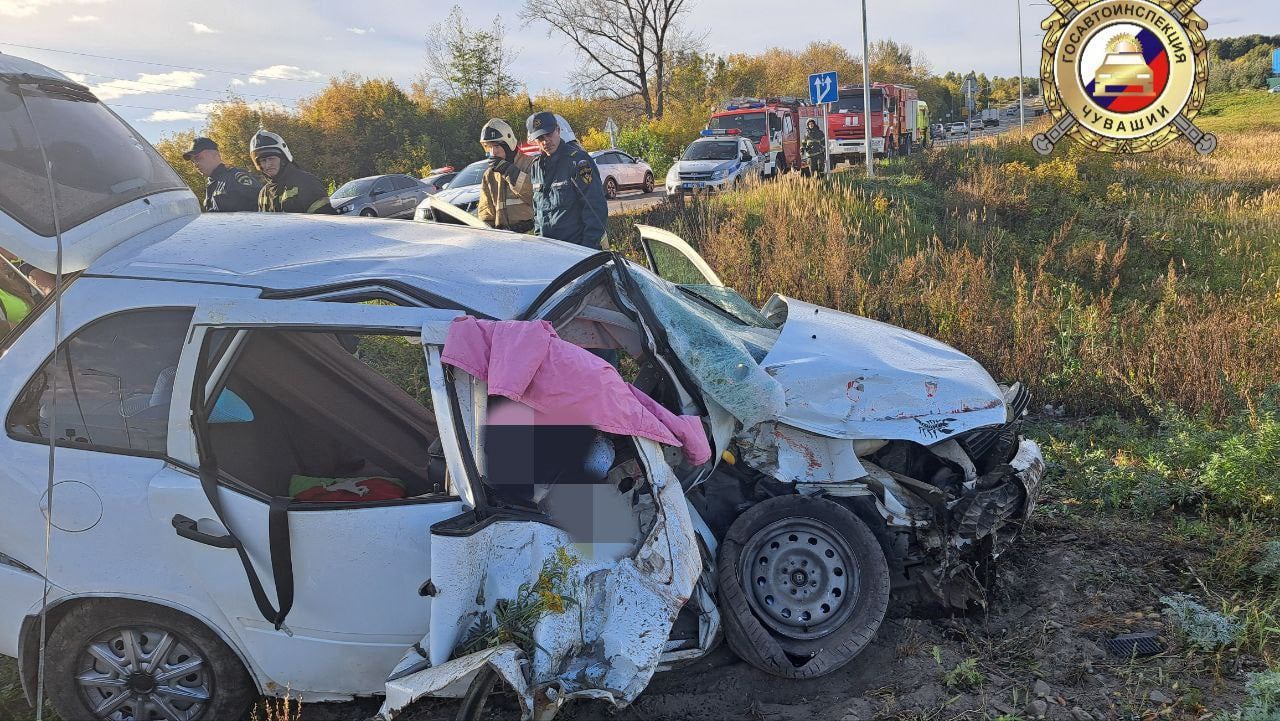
[1066,587]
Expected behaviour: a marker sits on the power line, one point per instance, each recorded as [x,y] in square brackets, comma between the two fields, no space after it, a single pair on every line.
[178,87]
[161,65]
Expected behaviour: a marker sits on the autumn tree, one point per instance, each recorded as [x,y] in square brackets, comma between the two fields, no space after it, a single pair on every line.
[626,46]
[467,62]
[171,148]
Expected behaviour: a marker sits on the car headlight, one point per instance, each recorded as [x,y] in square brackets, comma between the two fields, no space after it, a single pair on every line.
[347,208]
[719,174]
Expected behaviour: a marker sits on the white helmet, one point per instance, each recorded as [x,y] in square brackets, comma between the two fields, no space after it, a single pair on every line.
[498,130]
[266,143]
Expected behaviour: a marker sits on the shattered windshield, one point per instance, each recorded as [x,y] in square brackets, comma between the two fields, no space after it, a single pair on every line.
[720,350]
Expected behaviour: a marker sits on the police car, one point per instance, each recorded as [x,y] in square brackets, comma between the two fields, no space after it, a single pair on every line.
[719,160]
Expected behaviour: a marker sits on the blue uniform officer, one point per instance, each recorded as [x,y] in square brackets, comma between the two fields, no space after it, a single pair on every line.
[568,196]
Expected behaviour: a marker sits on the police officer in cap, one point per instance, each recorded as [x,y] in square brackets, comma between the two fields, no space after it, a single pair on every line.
[568,197]
[289,188]
[227,189]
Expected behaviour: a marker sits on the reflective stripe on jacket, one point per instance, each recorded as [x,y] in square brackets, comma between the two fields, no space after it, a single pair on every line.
[506,193]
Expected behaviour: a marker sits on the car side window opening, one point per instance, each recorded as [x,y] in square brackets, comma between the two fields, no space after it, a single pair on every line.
[323,416]
[114,381]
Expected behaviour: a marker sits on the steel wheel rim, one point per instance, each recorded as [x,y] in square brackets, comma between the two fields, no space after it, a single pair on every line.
[144,673]
[800,578]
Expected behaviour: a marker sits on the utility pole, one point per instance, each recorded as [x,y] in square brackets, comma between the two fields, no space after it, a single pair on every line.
[1022,113]
[866,95]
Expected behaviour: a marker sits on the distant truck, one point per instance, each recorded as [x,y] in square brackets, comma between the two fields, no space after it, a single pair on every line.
[990,114]
[897,123]
[772,124]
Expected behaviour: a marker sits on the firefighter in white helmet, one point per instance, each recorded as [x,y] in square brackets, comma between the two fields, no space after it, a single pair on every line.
[506,193]
[289,188]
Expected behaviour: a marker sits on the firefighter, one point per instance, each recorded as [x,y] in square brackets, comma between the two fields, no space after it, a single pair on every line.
[568,197]
[506,194]
[813,146]
[227,189]
[289,188]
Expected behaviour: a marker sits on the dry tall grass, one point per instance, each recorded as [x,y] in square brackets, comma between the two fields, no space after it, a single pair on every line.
[1104,282]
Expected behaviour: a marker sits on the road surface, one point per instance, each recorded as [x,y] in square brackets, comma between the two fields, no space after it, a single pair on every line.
[632,201]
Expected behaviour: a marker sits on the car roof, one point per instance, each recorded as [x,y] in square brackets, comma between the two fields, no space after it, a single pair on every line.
[491,272]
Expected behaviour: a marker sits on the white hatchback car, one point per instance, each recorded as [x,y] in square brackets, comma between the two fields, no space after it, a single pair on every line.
[235,462]
[623,172]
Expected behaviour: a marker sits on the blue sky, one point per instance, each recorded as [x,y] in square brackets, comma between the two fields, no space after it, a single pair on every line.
[281,51]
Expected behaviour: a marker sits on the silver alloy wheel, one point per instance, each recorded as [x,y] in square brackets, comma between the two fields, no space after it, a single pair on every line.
[800,578]
[143,673]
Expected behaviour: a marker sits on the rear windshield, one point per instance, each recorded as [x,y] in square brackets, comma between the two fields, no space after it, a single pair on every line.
[752,125]
[712,150]
[98,162]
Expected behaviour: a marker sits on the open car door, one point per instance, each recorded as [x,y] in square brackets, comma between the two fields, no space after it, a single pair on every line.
[674,260]
[325,439]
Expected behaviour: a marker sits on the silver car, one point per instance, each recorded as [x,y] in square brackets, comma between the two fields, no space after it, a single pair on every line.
[383,196]
[623,172]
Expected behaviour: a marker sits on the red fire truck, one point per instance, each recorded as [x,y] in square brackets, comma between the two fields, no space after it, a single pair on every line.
[772,124]
[899,122]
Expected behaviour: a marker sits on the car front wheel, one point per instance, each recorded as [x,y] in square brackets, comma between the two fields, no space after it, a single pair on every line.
[120,661]
[804,585]
[648,183]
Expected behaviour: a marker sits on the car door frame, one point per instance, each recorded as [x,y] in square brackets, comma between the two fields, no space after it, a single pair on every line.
[384,203]
[650,235]
[267,637]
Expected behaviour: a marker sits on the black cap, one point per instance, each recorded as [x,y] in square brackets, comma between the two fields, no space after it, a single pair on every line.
[541,124]
[199,145]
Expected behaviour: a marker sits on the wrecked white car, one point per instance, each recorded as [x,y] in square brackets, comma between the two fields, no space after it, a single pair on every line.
[259,465]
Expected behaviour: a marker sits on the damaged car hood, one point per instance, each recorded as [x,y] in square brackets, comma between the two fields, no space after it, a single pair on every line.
[854,378]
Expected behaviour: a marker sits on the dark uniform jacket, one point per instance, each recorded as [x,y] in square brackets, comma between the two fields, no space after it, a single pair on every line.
[294,190]
[568,197]
[231,189]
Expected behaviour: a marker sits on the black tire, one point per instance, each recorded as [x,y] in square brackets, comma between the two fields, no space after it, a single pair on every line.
[104,625]
[368,213]
[610,188]
[795,651]
[478,693]
[648,183]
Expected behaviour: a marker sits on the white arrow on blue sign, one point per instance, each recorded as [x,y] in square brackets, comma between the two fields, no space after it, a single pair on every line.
[823,88]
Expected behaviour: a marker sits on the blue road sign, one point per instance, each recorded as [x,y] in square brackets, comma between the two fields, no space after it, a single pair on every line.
[1275,64]
[823,88]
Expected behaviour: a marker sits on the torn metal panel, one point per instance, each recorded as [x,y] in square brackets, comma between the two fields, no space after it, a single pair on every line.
[851,377]
[900,506]
[608,646]
[796,456]
[1028,462]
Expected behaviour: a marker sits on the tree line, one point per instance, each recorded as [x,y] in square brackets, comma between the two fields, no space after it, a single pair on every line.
[639,65]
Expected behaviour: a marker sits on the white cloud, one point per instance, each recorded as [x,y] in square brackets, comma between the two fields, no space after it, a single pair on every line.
[201,28]
[147,83]
[237,81]
[282,72]
[173,116]
[28,8]
[83,19]
[77,77]
[361,31]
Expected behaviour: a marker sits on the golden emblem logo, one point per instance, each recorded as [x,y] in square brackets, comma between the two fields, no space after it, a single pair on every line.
[1124,76]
